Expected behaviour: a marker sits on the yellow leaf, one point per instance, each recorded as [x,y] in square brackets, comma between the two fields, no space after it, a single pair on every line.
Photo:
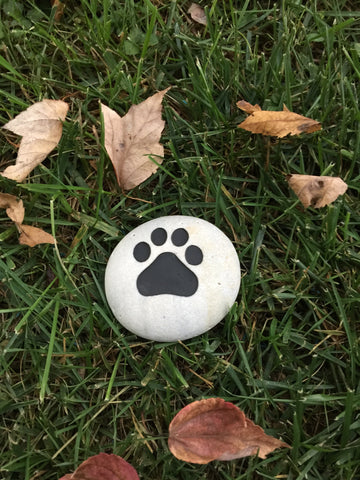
[275,124]
[41,128]
[130,140]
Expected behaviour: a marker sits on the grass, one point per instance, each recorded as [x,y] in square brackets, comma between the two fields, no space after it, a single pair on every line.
[73,381]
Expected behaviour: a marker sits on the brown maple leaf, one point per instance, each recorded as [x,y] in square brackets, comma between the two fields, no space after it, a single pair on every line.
[41,128]
[275,124]
[317,191]
[132,139]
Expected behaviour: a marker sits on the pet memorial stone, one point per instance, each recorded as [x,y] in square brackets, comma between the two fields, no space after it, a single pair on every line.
[172,278]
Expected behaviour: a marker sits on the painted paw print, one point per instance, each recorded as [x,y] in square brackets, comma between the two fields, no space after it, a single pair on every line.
[167,274]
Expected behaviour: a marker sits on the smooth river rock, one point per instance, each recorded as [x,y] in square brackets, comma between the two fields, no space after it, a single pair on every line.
[172,278]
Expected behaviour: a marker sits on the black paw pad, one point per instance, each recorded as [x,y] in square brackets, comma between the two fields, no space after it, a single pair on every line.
[167,274]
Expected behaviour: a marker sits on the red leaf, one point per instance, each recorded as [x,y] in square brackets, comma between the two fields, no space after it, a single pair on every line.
[213,429]
[103,467]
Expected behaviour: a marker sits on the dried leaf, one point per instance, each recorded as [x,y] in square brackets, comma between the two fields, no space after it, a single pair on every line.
[33,236]
[276,124]
[197,13]
[60,7]
[41,128]
[29,235]
[131,139]
[14,207]
[213,429]
[247,107]
[105,467]
[317,191]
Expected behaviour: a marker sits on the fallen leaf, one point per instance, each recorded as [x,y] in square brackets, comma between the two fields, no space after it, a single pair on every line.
[276,124]
[317,191]
[14,207]
[60,7]
[131,139]
[29,235]
[247,107]
[197,13]
[105,467]
[33,236]
[41,128]
[213,429]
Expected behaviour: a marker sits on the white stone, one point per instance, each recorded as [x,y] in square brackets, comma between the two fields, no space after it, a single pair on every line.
[169,291]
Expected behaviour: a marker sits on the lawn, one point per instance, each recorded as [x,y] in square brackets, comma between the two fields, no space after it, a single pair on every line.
[73,381]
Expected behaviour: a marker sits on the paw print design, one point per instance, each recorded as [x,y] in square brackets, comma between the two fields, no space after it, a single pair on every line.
[167,274]
[172,278]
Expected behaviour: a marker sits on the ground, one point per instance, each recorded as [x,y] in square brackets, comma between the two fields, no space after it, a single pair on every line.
[74,382]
